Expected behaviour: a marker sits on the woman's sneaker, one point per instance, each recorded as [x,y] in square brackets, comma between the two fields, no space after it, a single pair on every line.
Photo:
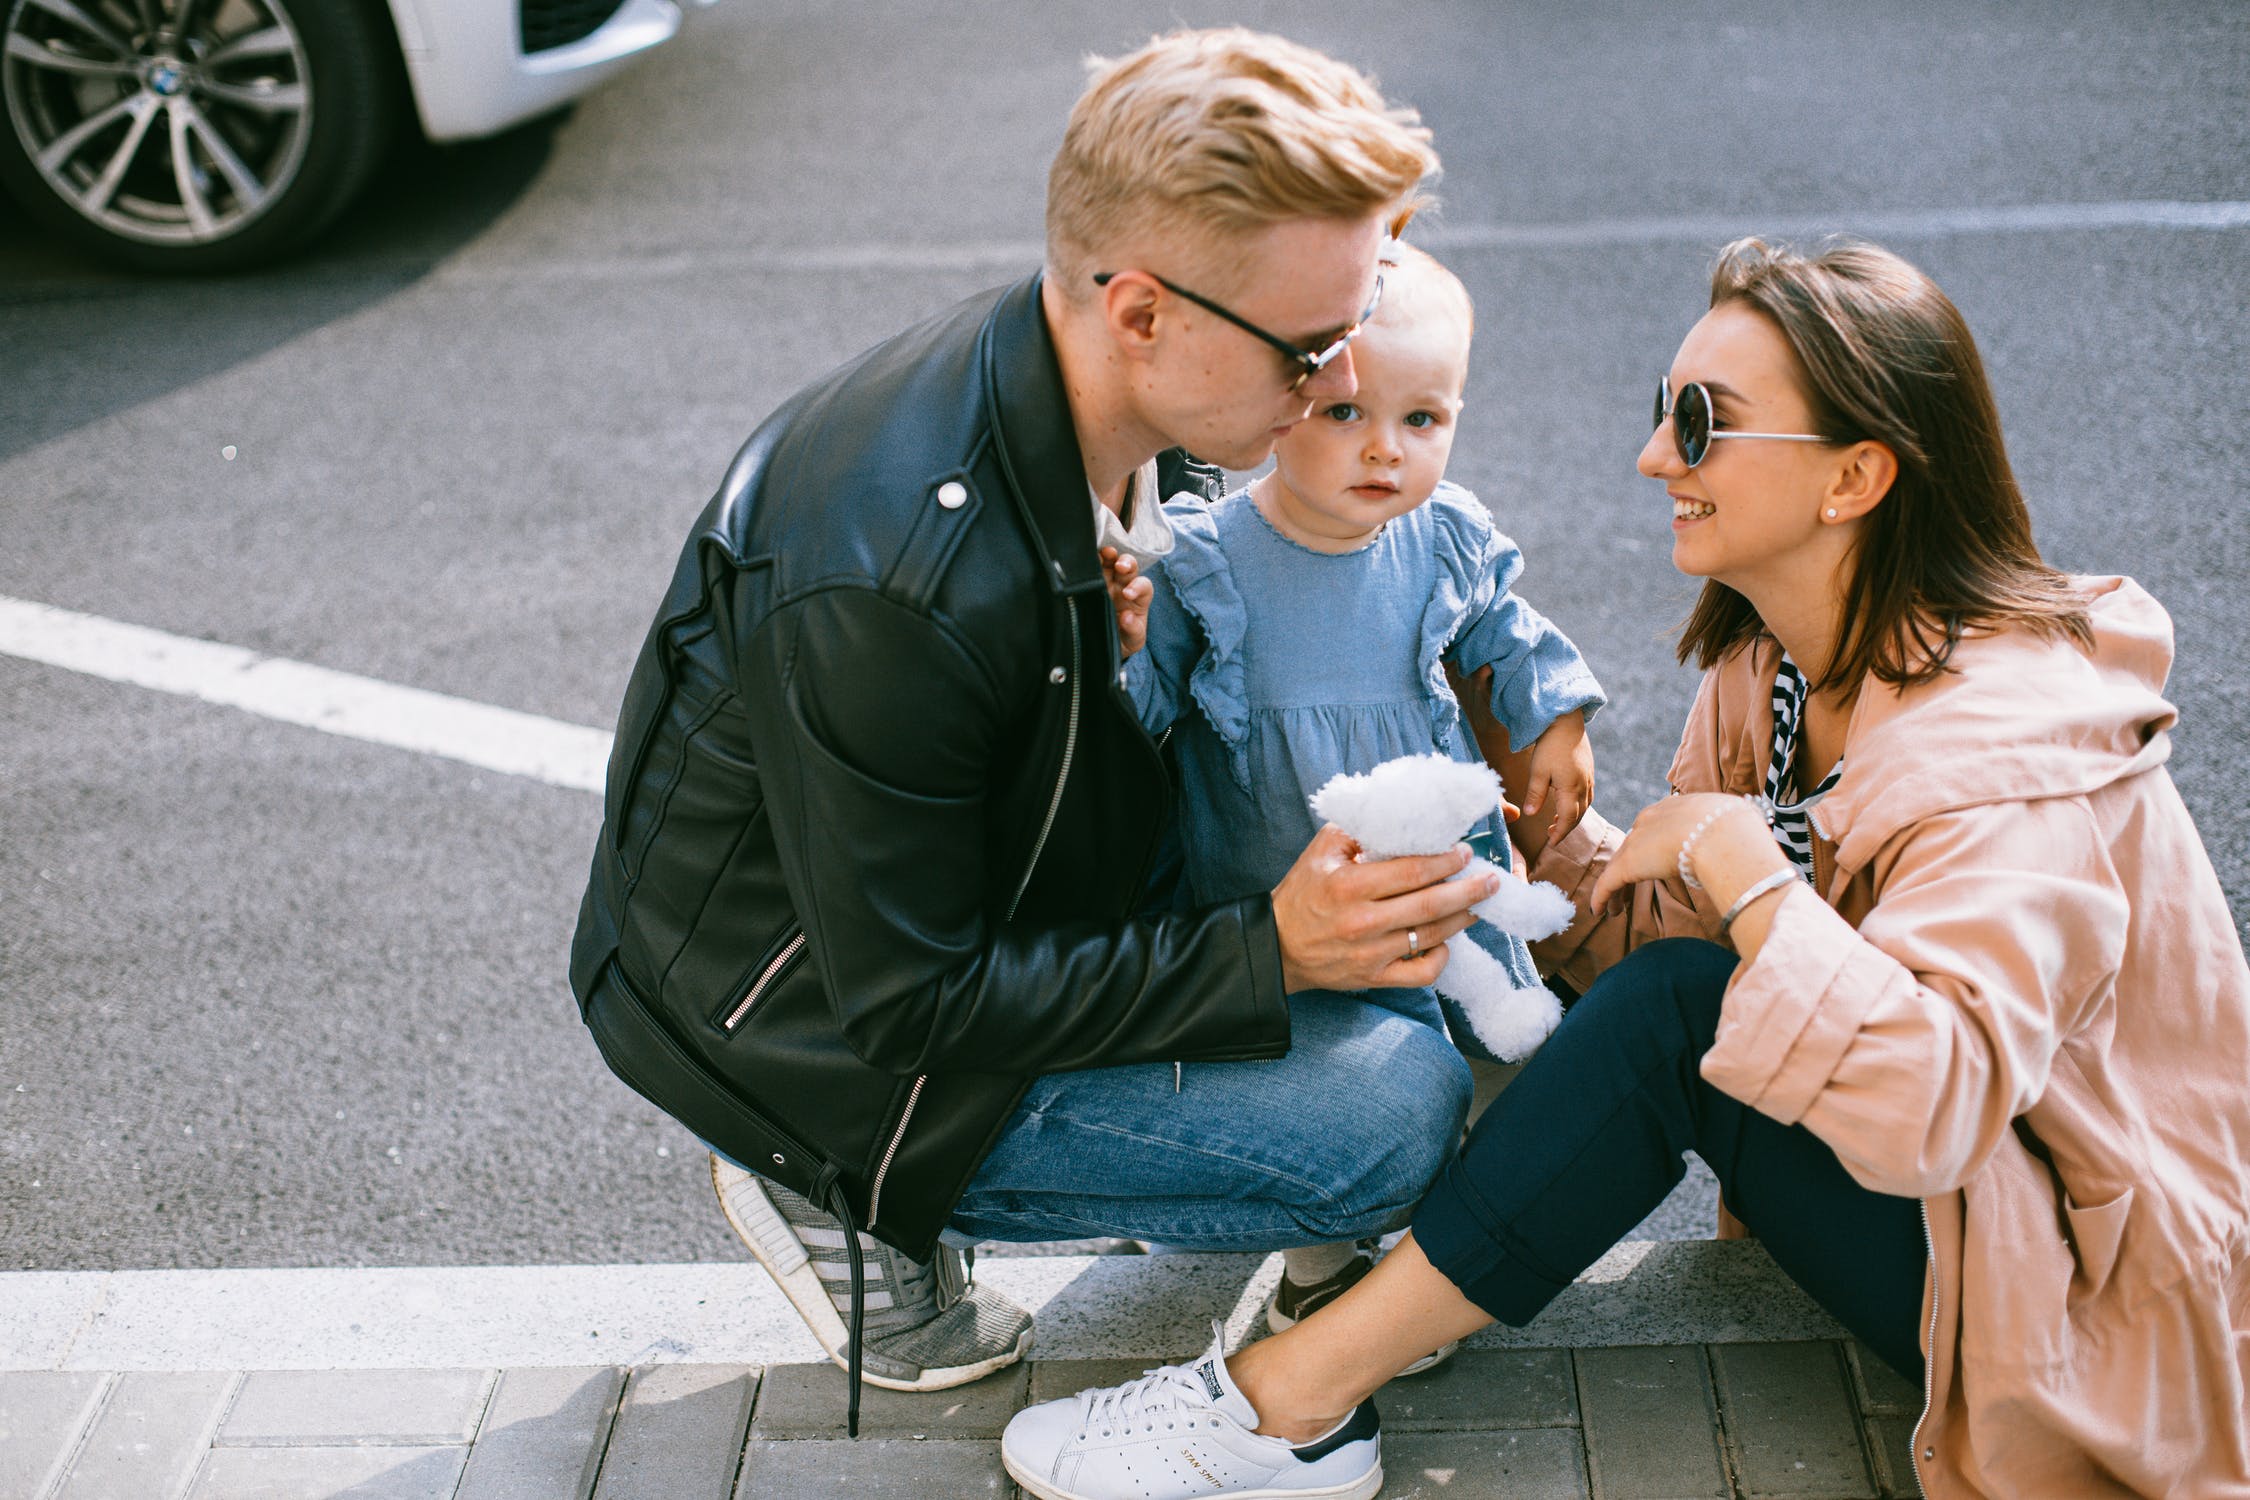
[924,1326]
[1180,1431]
[1291,1304]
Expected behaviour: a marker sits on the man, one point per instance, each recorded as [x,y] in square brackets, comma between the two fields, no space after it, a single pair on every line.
[868,912]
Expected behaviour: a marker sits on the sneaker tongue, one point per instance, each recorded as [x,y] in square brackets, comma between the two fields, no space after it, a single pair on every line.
[1210,1373]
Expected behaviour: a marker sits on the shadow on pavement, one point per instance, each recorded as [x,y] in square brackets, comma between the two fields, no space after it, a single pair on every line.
[85,341]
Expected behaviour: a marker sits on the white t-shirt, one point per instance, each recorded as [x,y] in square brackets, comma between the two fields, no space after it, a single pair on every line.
[1149,537]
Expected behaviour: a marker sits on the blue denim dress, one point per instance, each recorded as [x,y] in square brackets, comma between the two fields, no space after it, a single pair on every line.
[1278,667]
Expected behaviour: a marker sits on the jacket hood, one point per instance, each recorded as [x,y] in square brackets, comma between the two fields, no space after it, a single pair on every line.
[2021,716]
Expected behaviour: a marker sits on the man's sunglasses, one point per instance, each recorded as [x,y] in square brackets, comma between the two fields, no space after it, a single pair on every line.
[1308,362]
[1692,426]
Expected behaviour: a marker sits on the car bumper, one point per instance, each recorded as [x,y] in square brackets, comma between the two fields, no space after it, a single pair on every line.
[472,78]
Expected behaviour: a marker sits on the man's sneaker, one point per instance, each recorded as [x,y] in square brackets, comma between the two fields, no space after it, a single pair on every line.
[1180,1431]
[925,1326]
[1291,1304]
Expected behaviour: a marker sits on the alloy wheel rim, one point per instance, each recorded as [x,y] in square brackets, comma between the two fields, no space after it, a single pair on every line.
[166,122]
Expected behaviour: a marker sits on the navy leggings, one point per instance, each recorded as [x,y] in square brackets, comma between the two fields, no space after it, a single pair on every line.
[1587,1140]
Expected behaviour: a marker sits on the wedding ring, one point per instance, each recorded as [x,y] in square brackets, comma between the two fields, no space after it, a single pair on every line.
[1413,945]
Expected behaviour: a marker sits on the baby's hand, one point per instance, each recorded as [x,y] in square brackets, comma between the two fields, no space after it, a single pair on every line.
[1562,774]
[1129,594]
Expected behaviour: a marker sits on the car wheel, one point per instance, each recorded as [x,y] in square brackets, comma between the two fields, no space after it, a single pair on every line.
[193,135]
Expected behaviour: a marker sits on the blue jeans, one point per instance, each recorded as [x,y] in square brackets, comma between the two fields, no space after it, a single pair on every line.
[1587,1140]
[1335,1141]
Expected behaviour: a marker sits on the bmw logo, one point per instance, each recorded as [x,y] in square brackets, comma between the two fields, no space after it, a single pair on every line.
[165,79]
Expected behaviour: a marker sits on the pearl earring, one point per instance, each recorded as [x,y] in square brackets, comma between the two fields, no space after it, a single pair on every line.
[1831,512]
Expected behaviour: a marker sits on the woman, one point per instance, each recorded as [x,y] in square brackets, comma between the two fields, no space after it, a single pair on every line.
[1960,1019]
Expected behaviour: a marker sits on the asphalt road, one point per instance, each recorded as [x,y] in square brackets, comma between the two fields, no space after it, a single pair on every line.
[273,997]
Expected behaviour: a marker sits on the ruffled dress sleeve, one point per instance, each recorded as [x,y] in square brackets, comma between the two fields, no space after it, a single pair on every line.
[1475,620]
[1156,676]
[1196,626]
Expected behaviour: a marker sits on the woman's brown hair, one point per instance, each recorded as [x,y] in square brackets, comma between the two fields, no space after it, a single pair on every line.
[1886,356]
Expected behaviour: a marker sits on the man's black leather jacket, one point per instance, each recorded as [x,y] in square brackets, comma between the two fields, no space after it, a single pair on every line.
[878,815]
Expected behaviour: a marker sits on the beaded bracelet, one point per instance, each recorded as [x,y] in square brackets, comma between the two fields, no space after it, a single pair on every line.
[1758,805]
[1773,880]
[1687,846]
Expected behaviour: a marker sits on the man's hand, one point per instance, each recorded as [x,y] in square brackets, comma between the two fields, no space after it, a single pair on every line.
[1562,773]
[1129,595]
[1345,924]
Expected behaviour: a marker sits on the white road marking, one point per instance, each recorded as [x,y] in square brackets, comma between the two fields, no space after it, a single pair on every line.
[360,708]
[1005,256]
[2025,218]
[571,755]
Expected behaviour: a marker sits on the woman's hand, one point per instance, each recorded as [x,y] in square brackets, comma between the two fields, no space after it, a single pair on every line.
[1735,850]
[1129,595]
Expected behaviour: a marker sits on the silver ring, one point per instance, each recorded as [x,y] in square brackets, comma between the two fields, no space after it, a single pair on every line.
[1413,945]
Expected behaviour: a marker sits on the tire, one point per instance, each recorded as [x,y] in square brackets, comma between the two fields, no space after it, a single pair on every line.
[218,151]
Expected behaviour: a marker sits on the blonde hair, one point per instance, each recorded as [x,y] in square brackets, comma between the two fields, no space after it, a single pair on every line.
[1418,287]
[1206,134]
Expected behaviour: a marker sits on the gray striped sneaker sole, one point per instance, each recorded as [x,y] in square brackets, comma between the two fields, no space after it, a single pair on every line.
[774,1242]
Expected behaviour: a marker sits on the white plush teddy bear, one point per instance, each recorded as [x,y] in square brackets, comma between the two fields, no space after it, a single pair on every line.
[1422,804]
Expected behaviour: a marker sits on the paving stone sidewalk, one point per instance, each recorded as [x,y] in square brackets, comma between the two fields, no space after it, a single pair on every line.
[1808,1418]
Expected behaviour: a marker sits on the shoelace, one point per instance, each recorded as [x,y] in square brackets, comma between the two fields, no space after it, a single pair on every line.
[907,1281]
[1163,1393]
[842,1208]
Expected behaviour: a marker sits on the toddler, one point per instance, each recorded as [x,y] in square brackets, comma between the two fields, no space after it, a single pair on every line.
[1301,628]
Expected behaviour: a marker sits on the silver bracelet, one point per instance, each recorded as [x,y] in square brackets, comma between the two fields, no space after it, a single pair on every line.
[1774,880]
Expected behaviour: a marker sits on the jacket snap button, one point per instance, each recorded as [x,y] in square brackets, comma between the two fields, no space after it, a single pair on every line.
[777,1161]
[1057,676]
[952,494]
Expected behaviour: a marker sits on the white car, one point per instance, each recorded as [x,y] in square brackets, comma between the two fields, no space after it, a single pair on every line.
[198,135]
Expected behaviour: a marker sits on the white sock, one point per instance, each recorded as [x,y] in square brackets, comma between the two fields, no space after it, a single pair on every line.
[1310,1263]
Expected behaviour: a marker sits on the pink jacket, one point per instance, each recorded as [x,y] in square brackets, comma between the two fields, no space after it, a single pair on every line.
[2020,997]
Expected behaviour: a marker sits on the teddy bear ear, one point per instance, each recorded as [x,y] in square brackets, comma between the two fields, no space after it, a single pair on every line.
[1343,802]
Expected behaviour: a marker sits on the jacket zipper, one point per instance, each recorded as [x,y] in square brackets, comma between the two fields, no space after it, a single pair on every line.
[1820,842]
[1161,741]
[1054,806]
[1070,748]
[1929,1353]
[765,978]
[882,1169]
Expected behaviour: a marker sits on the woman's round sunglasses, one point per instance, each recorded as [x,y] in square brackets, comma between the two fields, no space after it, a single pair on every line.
[1692,426]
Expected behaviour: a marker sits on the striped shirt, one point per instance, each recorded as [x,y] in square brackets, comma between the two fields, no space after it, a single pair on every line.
[1790,820]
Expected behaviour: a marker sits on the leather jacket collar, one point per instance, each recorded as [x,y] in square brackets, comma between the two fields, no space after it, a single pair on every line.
[1038,445]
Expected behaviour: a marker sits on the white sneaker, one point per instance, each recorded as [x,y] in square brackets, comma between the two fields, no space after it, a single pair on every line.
[1184,1431]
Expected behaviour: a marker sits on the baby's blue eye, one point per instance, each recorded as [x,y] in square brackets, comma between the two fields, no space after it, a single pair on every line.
[1342,411]
[1421,419]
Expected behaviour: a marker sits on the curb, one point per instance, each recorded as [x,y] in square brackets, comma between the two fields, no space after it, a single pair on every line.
[1087,1306]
